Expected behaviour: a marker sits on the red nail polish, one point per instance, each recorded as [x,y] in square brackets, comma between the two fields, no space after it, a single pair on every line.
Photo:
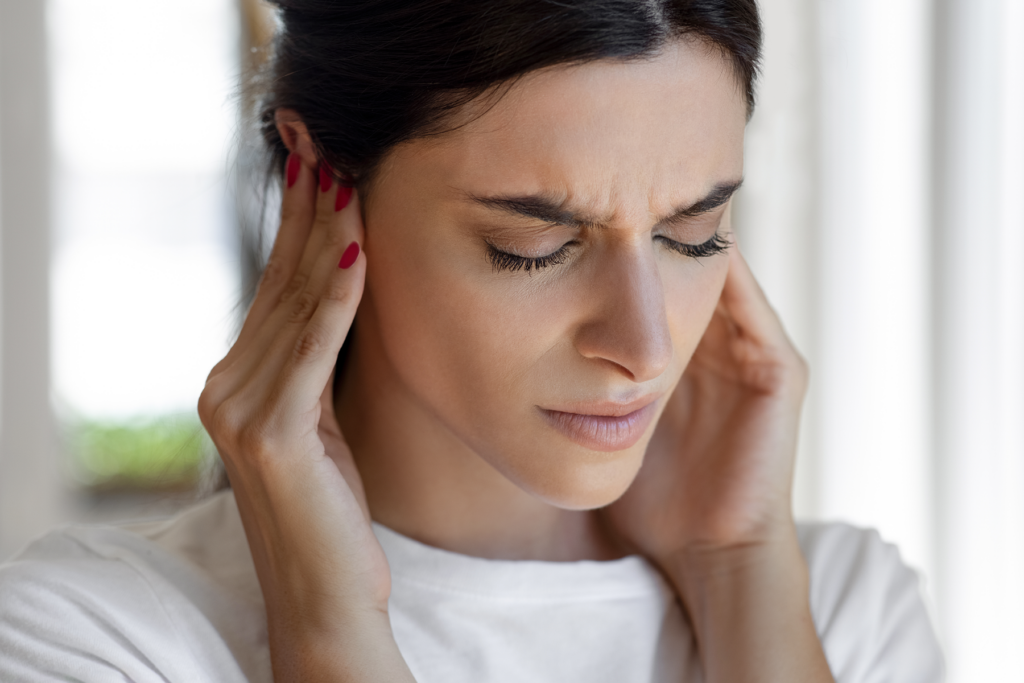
[344,195]
[292,169]
[350,256]
[325,178]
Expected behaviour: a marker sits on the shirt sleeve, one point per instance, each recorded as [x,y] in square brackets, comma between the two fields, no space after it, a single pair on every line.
[67,614]
[868,608]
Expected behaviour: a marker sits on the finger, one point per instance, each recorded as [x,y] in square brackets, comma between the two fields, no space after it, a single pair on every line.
[296,299]
[720,330]
[274,345]
[333,228]
[767,357]
[297,212]
[310,363]
[260,363]
[322,235]
[747,306]
[288,277]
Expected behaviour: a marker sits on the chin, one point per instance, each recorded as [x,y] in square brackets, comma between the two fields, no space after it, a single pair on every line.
[581,483]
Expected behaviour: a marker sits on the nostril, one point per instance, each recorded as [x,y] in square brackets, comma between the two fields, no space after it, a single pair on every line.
[636,342]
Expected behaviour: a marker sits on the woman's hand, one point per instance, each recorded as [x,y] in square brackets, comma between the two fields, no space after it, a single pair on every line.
[711,504]
[269,409]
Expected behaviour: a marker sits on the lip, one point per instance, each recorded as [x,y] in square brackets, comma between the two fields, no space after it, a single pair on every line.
[604,426]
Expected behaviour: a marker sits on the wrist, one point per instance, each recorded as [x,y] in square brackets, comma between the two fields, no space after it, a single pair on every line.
[359,648]
[773,563]
[749,606]
[743,585]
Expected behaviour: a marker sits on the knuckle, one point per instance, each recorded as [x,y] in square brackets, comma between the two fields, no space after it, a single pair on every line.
[334,236]
[339,291]
[295,285]
[221,364]
[207,407]
[210,401]
[789,373]
[238,431]
[304,306]
[311,344]
[225,421]
[323,214]
[274,274]
[292,212]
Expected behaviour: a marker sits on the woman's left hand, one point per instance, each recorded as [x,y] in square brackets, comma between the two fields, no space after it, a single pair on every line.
[711,505]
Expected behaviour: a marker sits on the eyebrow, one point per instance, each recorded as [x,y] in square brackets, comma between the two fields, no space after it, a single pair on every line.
[554,211]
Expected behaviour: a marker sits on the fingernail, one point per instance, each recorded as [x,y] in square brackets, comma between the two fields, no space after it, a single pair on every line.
[350,256]
[325,178]
[344,195]
[292,169]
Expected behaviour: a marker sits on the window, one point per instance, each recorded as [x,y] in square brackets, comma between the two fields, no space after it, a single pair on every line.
[144,280]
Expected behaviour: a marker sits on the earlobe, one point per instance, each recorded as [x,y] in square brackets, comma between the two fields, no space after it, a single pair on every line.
[296,137]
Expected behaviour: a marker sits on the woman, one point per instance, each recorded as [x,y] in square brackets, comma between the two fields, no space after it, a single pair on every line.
[558,441]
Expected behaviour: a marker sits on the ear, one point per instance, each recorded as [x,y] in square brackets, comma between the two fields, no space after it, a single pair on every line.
[295,135]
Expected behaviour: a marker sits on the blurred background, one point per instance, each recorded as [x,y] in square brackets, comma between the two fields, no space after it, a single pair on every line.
[883,212]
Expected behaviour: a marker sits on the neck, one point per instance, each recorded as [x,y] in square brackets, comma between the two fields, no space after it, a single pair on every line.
[423,482]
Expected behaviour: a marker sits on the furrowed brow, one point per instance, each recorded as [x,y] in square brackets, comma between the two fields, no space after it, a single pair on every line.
[552,211]
[534,206]
[721,194]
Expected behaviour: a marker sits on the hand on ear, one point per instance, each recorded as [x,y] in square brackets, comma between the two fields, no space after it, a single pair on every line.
[296,136]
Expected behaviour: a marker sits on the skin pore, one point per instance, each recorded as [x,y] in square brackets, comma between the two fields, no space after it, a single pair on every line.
[464,363]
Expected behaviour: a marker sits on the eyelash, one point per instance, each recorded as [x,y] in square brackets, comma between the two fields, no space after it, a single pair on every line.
[502,260]
[716,245]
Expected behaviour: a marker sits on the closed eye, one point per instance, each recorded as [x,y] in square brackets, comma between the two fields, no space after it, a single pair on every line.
[716,245]
[502,260]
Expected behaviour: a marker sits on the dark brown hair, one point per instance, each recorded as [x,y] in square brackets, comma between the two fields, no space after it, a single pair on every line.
[366,75]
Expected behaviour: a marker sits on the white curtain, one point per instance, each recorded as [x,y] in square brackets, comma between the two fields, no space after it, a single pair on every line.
[884,214]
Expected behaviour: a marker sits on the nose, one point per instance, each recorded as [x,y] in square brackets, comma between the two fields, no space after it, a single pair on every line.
[628,324]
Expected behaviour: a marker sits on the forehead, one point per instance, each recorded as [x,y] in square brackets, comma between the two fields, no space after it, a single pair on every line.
[657,130]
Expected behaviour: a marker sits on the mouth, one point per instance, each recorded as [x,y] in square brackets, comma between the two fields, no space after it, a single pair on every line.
[604,426]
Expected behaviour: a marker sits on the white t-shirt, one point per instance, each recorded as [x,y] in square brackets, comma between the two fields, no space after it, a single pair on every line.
[178,601]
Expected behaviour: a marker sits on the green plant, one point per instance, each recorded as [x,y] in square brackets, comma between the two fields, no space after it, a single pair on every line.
[159,452]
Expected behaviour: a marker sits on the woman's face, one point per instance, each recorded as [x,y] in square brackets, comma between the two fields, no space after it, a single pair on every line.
[535,279]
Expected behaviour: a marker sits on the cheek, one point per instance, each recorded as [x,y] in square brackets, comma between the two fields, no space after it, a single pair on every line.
[459,338]
[691,296]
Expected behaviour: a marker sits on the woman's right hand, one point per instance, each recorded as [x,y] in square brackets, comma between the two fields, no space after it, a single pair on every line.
[268,408]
